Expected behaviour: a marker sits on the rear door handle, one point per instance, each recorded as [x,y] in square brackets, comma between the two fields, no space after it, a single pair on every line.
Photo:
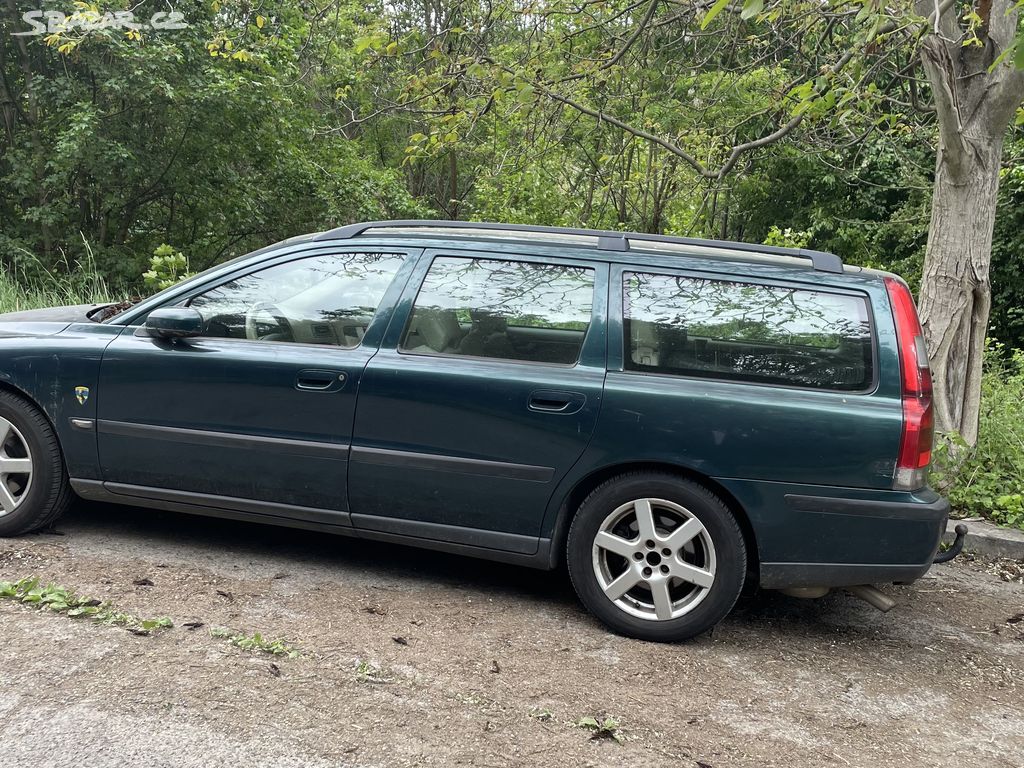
[556,401]
[315,380]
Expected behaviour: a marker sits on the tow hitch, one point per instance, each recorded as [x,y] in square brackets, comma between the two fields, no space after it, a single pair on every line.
[955,548]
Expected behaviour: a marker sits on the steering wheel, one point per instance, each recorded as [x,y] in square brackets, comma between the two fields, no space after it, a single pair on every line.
[265,321]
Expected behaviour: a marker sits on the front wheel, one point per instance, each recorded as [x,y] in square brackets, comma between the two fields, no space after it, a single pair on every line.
[34,488]
[656,557]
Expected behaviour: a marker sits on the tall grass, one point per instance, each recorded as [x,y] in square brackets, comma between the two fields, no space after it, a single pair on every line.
[75,283]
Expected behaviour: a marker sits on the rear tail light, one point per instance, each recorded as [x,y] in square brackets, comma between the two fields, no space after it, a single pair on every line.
[918,414]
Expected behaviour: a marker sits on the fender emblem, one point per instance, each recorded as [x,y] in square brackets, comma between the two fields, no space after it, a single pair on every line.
[82,393]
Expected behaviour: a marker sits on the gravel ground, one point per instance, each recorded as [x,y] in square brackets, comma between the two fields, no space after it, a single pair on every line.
[418,658]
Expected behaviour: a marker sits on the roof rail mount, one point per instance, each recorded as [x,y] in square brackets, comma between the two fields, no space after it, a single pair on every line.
[606,240]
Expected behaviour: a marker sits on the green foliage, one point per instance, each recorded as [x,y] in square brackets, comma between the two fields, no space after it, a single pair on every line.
[787,238]
[988,479]
[166,268]
[30,591]
[222,137]
[255,642]
[1007,319]
[601,727]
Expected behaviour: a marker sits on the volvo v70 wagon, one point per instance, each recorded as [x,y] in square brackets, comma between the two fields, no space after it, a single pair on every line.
[671,418]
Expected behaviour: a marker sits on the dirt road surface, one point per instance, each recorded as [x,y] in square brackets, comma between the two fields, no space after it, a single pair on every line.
[417,658]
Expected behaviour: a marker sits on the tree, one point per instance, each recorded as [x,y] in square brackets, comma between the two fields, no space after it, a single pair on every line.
[976,92]
[113,141]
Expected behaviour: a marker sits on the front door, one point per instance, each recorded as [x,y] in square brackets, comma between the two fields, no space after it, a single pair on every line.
[260,407]
[485,392]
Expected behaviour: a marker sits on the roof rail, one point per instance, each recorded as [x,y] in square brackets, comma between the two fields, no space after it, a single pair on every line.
[606,240]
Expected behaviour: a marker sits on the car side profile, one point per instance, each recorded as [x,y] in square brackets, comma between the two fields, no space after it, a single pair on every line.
[671,418]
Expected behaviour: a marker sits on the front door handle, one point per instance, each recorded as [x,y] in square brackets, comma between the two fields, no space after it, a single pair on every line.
[316,380]
[556,401]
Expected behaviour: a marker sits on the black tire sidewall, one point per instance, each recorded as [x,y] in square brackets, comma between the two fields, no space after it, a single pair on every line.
[47,466]
[718,520]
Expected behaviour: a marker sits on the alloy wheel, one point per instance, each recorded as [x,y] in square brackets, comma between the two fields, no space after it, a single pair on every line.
[654,559]
[15,467]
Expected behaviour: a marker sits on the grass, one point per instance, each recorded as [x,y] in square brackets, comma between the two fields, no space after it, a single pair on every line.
[30,591]
[80,283]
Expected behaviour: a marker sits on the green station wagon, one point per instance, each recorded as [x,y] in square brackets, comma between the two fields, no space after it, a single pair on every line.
[671,418]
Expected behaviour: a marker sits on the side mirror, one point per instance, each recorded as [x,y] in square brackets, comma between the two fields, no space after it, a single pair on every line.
[174,323]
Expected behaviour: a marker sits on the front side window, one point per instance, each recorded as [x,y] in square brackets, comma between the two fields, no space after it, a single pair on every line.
[760,333]
[327,299]
[509,310]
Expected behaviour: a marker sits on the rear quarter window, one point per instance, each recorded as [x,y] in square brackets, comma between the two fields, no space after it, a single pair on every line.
[746,332]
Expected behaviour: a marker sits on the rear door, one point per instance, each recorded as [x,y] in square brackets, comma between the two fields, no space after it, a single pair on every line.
[484,393]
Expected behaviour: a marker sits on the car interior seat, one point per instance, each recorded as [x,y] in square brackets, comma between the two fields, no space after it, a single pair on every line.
[488,337]
[437,329]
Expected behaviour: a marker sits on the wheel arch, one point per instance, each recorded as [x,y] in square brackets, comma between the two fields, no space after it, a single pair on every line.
[575,497]
[7,386]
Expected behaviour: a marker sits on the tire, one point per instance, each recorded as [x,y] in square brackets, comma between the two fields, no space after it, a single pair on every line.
[695,536]
[42,495]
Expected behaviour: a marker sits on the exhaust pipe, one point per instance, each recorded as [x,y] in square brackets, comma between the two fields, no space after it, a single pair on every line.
[873,596]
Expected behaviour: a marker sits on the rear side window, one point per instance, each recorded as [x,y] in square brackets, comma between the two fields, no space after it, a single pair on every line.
[748,332]
[508,310]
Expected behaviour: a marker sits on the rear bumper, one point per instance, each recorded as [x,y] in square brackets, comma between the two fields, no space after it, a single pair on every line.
[830,536]
[784,575]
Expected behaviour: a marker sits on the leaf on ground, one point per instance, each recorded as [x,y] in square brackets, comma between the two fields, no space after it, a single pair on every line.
[143,582]
[400,640]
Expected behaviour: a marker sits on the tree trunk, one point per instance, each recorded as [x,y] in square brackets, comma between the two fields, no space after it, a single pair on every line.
[974,104]
[955,289]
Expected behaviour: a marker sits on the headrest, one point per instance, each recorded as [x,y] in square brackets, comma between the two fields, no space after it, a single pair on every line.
[439,328]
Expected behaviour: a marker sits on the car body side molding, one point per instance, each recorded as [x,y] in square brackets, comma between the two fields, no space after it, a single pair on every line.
[223,439]
[365,455]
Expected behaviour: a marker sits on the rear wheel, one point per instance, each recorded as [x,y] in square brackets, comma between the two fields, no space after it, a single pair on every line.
[656,557]
[34,489]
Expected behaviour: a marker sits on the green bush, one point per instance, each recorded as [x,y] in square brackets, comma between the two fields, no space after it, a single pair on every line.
[166,267]
[988,479]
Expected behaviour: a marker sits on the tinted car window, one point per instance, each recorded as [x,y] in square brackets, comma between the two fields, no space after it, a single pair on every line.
[745,331]
[510,310]
[317,300]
